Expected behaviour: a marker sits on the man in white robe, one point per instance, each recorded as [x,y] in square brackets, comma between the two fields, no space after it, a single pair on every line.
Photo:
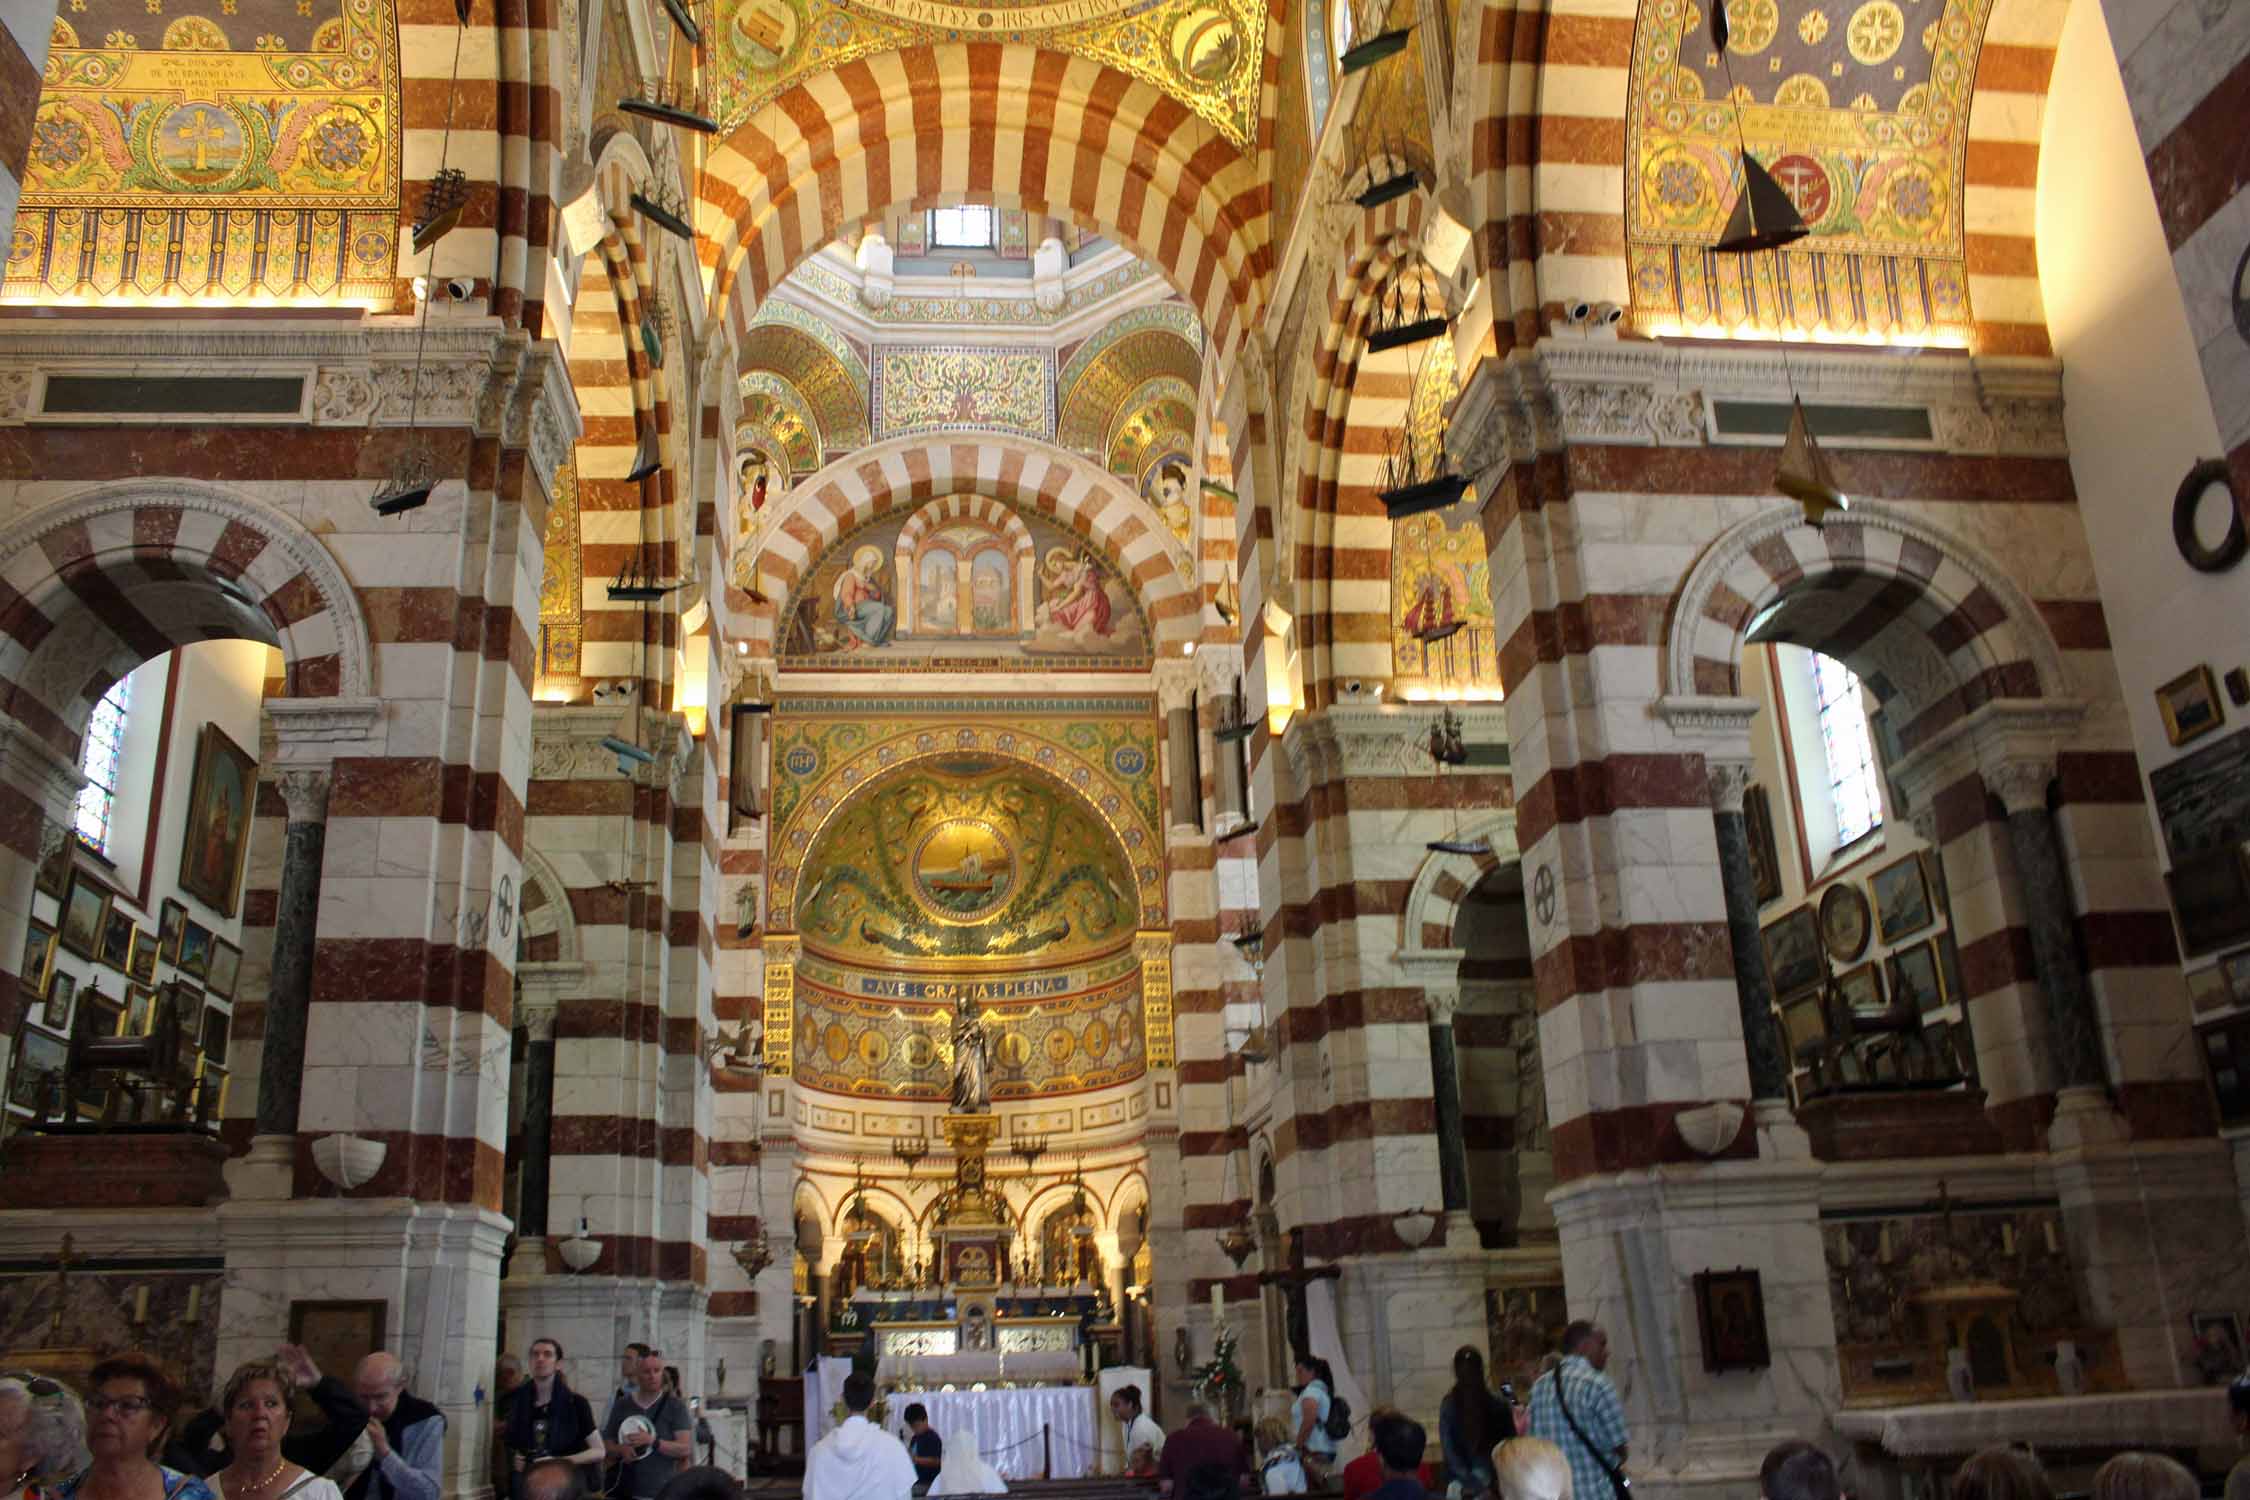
[858,1461]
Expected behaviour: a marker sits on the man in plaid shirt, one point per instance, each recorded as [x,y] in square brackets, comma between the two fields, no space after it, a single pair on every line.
[1593,1401]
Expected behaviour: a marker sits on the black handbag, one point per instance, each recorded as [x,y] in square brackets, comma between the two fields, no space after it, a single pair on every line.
[1619,1485]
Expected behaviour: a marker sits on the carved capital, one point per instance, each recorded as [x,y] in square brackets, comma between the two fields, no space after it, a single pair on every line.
[305,790]
[538,1018]
[2019,781]
[1177,682]
[1442,1004]
[1729,780]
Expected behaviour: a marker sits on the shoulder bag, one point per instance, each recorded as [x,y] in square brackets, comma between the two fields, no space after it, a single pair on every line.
[1619,1485]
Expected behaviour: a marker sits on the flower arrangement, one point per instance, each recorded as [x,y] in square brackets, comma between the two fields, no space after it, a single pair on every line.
[1218,1379]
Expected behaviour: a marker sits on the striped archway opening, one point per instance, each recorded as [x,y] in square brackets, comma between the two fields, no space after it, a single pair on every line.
[621,391]
[1009,124]
[1925,621]
[1022,473]
[1355,402]
[93,586]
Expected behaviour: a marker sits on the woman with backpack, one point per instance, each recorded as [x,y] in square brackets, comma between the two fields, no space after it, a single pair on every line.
[1317,1419]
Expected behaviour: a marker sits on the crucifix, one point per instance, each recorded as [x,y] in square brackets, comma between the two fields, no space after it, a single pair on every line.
[62,1288]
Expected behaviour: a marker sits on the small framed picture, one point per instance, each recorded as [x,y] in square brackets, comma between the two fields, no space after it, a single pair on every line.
[117,938]
[85,914]
[37,1068]
[1802,1023]
[54,870]
[215,1023]
[226,967]
[2225,1043]
[171,926]
[195,950]
[1901,890]
[2218,1342]
[1860,991]
[1793,952]
[38,958]
[1730,1312]
[141,966]
[2211,897]
[62,989]
[1917,978]
[140,1009]
[100,1014]
[187,1004]
[2189,705]
[1765,861]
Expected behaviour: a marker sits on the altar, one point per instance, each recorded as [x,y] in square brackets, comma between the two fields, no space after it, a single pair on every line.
[1027,1432]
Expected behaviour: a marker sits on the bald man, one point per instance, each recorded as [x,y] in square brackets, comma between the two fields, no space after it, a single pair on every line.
[406,1432]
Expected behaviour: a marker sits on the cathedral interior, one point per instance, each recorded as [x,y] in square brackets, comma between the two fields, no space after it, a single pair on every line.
[1038,679]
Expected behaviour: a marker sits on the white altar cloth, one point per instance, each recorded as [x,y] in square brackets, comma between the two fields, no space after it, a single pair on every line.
[2125,1419]
[1007,1424]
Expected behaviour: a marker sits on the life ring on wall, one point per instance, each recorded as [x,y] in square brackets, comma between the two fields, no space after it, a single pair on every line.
[2189,500]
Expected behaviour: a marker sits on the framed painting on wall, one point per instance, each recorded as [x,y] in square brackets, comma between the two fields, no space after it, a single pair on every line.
[225,968]
[1902,898]
[54,870]
[37,1068]
[220,801]
[2211,897]
[38,958]
[1917,978]
[1730,1312]
[2189,705]
[85,912]
[196,941]
[140,967]
[338,1335]
[1793,952]
[118,929]
[171,926]
[1844,924]
[62,989]
[1765,859]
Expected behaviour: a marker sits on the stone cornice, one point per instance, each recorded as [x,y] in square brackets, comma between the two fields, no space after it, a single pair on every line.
[475,372]
[566,743]
[309,730]
[1722,723]
[1632,392]
[1391,739]
[2011,742]
[30,764]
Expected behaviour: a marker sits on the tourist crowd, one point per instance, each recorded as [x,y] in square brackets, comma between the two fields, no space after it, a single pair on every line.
[126,1439]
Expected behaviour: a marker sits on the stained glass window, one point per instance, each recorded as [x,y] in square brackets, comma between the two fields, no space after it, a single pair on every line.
[968,227]
[105,748]
[1852,775]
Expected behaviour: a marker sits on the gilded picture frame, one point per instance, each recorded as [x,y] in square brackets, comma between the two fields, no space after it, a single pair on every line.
[2189,705]
[221,801]
[1903,903]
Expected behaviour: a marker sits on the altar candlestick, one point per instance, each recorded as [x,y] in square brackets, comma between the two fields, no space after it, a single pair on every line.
[194,1305]
[140,1304]
[1218,1303]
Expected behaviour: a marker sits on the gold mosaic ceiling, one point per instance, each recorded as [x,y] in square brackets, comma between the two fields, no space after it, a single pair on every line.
[1207,54]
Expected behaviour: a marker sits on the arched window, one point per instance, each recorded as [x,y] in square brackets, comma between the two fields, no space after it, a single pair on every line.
[103,752]
[1853,784]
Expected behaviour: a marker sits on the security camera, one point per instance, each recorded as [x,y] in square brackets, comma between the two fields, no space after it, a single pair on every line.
[1608,315]
[1354,687]
[1578,311]
[460,288]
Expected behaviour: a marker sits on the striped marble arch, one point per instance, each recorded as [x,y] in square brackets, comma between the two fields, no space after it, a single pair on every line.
[93,586]
[1017,472]
[1926,617]
[1003,123]
[1433,902]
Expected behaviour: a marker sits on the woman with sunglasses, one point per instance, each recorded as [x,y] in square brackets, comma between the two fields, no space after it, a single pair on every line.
[42,1436]
[256,1408]
[132,1408]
